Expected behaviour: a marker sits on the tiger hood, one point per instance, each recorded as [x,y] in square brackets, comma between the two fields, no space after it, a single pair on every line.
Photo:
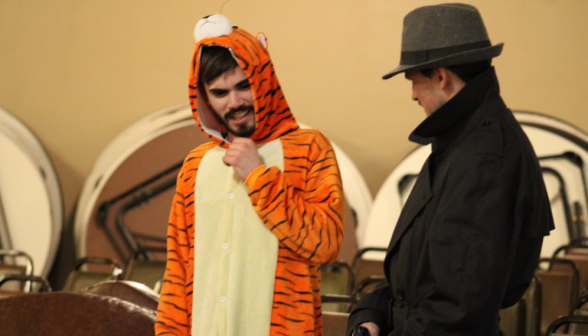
[272,115]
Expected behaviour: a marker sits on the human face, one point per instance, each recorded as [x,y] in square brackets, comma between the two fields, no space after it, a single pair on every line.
[426,91]
[231,98]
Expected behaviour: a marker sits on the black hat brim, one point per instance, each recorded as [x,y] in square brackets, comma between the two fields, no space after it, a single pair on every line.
[469,56]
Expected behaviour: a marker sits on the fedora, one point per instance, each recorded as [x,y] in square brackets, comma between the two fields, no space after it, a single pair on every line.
[441,36]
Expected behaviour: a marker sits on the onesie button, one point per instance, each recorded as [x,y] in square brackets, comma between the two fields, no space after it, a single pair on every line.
[222,299]
[225,246]
[230,195]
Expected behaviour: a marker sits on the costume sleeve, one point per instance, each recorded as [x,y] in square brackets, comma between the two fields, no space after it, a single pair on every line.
[372,307]
[302,206]
[172,311]
[474,238]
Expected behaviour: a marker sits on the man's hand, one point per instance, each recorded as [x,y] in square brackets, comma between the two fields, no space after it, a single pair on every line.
[242,155]
[372,327]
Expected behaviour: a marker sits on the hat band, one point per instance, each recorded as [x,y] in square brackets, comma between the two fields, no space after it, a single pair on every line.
[423,56]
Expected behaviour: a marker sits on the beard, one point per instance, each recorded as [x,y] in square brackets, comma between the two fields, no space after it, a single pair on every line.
[244,130]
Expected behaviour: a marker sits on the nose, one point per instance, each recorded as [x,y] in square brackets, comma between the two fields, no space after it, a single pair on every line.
[234,100]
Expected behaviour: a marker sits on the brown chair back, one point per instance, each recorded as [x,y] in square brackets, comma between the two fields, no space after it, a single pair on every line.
[73,313]
[334,323]
[513,319]
[130,291]
[559,290]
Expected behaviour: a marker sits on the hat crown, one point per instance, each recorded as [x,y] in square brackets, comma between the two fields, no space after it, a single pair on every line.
[441,26]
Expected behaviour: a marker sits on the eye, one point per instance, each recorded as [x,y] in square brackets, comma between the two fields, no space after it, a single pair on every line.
[243,85]
[219,93]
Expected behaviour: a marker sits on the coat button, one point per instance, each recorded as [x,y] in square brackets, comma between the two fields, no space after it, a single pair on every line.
[400,293]
[487,123]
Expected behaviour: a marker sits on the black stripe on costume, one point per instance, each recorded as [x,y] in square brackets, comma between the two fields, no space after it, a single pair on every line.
[291,319]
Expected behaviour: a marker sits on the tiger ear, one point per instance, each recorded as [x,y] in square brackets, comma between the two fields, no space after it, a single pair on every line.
[262,39]
[212,26]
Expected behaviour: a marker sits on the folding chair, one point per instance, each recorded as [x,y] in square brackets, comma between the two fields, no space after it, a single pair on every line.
[513,319]
[44,285]
[79,279]
[345,303]
[578,254]
[533,299]
[566,320]
[11,264]
[338,277]
[143,268]
[559,289]
[335,323]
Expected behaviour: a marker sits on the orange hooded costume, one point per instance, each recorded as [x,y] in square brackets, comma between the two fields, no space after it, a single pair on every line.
[226,236]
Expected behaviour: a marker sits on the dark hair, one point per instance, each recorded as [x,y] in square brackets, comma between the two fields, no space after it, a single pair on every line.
[214,61]
[465,72]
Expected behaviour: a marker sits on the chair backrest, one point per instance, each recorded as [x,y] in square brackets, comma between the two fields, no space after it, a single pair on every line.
[349,246]
[367,285]
[337,303]
[145,270]
[581,261]
[566,320]
[79,279]
[129,291]
[559,290]
[336,278]
[9,270]
[513,319]
[579,328]
[334,323]
[533,301]
[37,283]
[367,268]
[12,263]
[73,313]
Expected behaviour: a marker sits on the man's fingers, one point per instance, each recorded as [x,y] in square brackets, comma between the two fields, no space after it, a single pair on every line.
[227,160]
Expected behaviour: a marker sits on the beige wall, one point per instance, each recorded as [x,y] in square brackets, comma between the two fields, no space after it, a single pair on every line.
[78,72]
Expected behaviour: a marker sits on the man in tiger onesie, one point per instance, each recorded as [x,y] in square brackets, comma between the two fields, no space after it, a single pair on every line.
[257,210]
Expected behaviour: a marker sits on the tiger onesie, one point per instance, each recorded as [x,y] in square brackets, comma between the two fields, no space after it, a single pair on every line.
[244,257]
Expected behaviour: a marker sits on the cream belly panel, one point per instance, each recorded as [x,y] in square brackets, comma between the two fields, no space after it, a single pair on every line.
[235,255]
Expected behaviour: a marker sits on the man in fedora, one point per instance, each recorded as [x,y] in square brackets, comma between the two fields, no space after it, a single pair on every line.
[469,236]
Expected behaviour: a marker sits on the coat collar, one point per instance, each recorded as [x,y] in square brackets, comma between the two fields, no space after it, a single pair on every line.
[443,126]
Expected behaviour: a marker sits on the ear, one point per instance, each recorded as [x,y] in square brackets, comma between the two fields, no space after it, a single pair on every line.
[262,39]
[443,77]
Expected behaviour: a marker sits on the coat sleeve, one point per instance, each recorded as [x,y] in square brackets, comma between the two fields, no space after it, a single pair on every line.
[173,315]
[372,307]
[302,206]
[474,240]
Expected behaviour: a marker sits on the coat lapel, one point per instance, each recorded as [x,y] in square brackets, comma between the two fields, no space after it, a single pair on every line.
[418,198]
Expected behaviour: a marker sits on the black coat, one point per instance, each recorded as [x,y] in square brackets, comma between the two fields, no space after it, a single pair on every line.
[469,237]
